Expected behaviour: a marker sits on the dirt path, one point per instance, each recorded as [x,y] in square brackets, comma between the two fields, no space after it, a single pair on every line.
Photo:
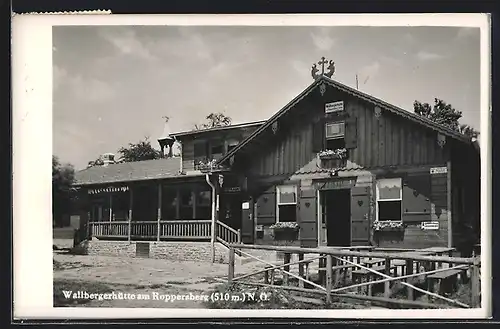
[147,278]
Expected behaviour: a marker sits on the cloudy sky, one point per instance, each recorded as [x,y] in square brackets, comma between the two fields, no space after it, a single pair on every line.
[113,84]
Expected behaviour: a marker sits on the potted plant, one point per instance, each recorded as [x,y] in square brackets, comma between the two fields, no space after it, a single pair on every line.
[388,230]
[285,231]
[206,166]
[333,158]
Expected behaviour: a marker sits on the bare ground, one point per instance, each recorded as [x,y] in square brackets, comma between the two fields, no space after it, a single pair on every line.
[138,276]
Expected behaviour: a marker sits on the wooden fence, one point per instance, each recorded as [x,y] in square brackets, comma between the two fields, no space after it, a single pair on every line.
[358,272]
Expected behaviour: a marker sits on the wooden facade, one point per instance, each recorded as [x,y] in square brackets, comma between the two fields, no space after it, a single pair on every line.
[396,168]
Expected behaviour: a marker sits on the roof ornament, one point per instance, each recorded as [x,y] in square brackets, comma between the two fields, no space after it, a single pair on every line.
[330,69]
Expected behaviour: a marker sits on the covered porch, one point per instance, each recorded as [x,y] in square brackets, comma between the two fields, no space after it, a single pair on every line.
[160,210]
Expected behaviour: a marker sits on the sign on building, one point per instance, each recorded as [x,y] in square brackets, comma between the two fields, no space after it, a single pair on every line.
[429,226]
[439,170]
[334,107]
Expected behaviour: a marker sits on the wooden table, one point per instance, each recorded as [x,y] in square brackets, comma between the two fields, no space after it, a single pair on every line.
[440,251]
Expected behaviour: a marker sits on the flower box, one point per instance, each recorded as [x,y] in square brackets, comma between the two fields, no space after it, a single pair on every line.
[287,231]
[333,154]
[388,226]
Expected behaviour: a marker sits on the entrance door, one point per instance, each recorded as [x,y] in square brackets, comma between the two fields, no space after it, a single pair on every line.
[337,213]
[231,209]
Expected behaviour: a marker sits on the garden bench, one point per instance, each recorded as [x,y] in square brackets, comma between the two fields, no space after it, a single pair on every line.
[440,282]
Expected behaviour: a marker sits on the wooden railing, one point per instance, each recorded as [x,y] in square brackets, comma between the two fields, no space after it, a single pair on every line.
[172,229]
[185,229]
[354,275]
[226,234]
[109,229]
[144,229]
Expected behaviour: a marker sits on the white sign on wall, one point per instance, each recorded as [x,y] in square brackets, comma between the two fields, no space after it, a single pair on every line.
[334,107]
[245,205]
[429,226]
[439,170]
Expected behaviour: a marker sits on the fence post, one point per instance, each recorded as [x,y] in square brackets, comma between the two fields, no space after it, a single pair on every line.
[329,265]
[409,271]
[239,236]
[301,270]
[230,274]
[474,284]
[387,284]
[286,259]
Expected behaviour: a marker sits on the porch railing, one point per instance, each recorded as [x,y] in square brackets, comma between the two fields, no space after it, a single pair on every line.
[227,234]
[109,229]
[185,229]
[172,229]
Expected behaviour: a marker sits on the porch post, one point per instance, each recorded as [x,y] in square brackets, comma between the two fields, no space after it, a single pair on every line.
[449,204]
[110,207]
[159,211]
[131,203]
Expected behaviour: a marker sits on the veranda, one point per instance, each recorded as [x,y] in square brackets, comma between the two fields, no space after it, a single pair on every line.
[156,211]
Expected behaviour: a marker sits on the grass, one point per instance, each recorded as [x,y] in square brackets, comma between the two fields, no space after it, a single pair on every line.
[277,299]
[73,286]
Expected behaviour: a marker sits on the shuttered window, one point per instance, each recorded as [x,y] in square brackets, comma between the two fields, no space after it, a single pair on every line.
[287,203]
[389,199]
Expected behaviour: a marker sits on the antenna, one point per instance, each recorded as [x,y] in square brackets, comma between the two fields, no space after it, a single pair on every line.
[357,81]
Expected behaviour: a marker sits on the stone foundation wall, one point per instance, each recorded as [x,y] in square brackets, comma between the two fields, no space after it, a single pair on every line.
[170,250]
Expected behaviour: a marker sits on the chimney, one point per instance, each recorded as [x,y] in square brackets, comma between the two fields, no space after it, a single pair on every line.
[166,140]
[107,159]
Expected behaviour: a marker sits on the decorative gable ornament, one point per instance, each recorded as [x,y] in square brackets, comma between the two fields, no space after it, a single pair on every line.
[441,140]
[322,89]
[378,112]
[330,69]
[274,127]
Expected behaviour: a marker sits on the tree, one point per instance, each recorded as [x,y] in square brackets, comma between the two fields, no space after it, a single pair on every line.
[214,120]
[444,114]
[140,151]
[63,177]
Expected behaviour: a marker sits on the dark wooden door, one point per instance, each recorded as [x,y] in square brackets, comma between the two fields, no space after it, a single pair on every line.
[247,221]
[360,216]
[308,221]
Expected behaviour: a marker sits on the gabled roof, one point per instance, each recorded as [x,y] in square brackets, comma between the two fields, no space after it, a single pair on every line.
[129,171]
[382,104]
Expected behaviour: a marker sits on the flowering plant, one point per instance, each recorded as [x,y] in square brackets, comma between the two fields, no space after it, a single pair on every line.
[338,153]
[208,165]
[291,225]
[392,225]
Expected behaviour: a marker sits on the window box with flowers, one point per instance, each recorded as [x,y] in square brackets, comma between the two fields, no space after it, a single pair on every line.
[285,231]
[206,166]
[388,231]
[333,158]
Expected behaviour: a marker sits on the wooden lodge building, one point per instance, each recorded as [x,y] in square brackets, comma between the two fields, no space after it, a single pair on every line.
[346,167]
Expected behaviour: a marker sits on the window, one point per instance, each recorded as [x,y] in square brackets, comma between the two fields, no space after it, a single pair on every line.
[286,203]
[389,199]
[200,152]
[186,204]
[203,205]
[231,145]
[216,149]
[335,133]
[169,203]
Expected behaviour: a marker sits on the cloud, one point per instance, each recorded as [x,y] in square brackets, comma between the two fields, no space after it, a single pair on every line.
[368,72]
[127,43]
[465,32]
[322,40]
[83,89]
[428,56]
[409,38]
